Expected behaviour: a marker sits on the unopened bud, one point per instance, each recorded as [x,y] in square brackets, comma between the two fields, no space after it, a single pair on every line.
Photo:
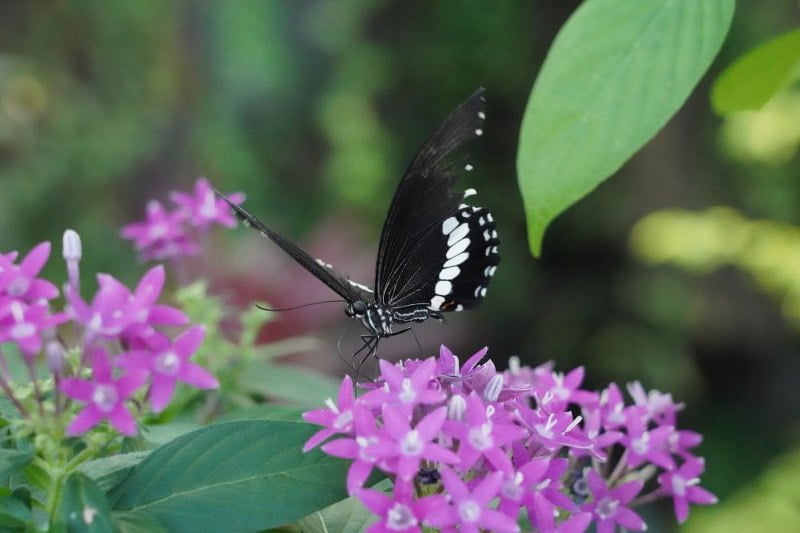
[492,391]
[55,356]
[456,407]
[71,246]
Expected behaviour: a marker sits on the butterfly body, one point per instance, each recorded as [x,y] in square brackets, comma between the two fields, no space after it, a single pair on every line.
[437,252]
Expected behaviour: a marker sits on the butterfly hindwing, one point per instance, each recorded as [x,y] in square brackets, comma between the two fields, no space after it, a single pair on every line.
[433,250]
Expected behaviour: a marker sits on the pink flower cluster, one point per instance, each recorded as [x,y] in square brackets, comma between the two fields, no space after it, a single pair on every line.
[470,448]
[165,234]
[121,339]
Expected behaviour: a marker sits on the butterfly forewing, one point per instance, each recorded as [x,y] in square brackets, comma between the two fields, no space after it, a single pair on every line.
[435,249]
[346,288]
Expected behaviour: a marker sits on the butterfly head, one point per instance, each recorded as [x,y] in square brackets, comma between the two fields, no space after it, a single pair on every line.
[357,308]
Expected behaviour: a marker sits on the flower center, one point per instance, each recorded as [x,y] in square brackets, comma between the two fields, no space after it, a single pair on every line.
[208,209]
[400,517]
[407,394]
[642,444]
[481,437]
[513,487]
[168,364]
[363,445]
[343,420]
[158,231]
[546,430]
[469,511]
[18,286]
[559,390]
[678,486]
[607,507]
[411,444]
[22,330]
[105,397]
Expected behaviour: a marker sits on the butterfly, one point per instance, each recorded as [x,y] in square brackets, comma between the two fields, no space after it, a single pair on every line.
[437,252]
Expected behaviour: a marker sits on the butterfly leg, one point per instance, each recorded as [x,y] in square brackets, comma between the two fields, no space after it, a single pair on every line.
[368,341]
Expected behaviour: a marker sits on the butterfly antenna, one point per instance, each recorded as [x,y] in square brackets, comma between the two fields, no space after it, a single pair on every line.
[299,306]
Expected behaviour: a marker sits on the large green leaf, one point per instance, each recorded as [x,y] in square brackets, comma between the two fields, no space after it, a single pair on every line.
[755,77]
[346,516]
[15,514]
[244,475]
[109,471]
[83,506]
[617,71]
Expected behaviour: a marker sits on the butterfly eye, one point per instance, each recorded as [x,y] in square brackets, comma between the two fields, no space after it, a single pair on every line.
[359,308]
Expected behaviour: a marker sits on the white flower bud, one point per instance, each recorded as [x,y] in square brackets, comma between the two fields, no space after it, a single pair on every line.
[456,407]
[71,246]
[493,388]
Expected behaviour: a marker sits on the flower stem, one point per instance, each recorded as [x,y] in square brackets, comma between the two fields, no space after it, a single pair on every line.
[619,469]
[10,393]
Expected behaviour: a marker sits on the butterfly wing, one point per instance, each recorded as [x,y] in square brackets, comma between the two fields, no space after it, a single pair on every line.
[344,287]
[435,249]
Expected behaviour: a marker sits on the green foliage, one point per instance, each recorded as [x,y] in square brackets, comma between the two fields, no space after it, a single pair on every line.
[83,506]
[12,461]
[347,516]
[615,74]
[769,251]
[107,472]
[753,79]
[768,503]
[233,476]
[15,509]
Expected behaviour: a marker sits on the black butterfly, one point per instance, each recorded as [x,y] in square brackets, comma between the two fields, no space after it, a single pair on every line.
[436,254]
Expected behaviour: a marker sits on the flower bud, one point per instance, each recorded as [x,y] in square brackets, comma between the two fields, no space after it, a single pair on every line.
[493,388]
[55,356]
[456,407]
[71,246]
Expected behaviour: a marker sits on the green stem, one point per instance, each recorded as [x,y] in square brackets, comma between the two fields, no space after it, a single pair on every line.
[56,486]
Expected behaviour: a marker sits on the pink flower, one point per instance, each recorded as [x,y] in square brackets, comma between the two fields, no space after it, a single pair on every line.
[336,418]
[20,281]
[683,485]
[399,512]
[359,448]
[608,505]
[480,436]
[161,235]
[564,388]
[105,396]
[170,364]
[402,448]
[469,509]
[202,208]
[405,387]
[646,445]
[25,325]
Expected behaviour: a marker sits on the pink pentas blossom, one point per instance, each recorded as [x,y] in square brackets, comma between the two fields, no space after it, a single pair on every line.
[27,325]
[470,509]
[482,437]
[495,445]
[405,388]
[203,208]
[162,235]
[170,364]
[683,484]
[104,395]
[400,511]
[659,406]
[608,505]
[336,418]
[21,281]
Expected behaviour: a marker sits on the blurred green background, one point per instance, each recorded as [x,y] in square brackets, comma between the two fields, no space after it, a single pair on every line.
[313,109]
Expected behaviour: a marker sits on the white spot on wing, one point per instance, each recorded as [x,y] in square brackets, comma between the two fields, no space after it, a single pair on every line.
[449,273]
[457,248]
[459,233]
[479,132]
[443,288]
[470,192]
[478,291]
[457,260]
[436,302]
[468,167]
[449,225]
[481,115]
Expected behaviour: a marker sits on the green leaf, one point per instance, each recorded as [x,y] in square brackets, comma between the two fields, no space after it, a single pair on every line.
[107,472]
[234,476]
[136,523]
[753,79]
[14,513]
[299,385]
[269,411]
[346,516]
[617,71]
[12,461]
[83,506]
